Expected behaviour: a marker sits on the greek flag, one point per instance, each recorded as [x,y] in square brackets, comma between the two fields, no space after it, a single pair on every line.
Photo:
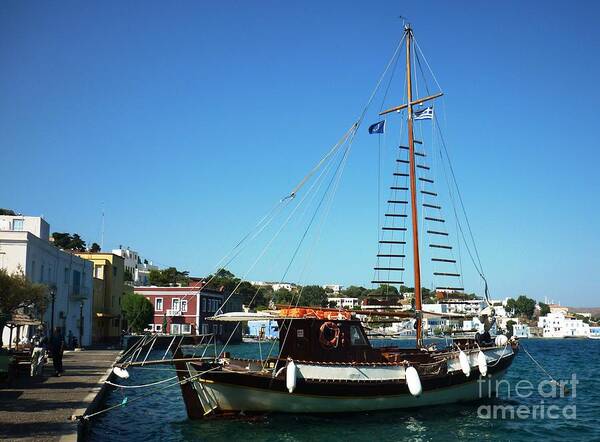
[377,128]
[423,114]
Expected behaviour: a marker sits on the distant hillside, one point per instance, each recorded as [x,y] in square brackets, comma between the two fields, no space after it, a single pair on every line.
[595,311]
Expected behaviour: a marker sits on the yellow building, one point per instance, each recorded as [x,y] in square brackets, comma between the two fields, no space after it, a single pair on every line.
[109,284]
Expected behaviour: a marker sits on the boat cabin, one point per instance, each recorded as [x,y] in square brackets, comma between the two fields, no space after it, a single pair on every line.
[324,340]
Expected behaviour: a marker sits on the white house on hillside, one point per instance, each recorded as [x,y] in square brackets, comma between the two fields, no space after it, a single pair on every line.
[348,303]
[558,325]
[139,269]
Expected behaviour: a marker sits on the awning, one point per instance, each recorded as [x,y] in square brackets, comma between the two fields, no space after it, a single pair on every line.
[19,319]
[105,315]
[243,316]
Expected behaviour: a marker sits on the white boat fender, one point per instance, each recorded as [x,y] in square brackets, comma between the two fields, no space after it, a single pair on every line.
[290,376]
[121,372]
[413,381]
[464,363]
[482,363]
[501,340]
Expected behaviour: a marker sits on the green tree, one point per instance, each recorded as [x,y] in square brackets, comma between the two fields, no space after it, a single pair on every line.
[67,241]
[284,297]
[354,291]
[138,311]
[17,292]
[384,291]
[168,277]
[544,309]
[313,296]
[522,306]
[509,326]
[95,248]
[128,276]
[165,324]
[8,212]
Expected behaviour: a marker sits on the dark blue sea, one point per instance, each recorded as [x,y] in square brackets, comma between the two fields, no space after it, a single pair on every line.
[539,411]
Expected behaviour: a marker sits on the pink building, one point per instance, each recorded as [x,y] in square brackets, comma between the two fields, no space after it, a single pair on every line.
[184,309]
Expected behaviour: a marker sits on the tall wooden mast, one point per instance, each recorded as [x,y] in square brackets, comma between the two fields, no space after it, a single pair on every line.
[413,190]
[413,176]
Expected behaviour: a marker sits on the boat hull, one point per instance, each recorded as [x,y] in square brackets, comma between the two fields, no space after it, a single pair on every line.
[229,391]
[236,398]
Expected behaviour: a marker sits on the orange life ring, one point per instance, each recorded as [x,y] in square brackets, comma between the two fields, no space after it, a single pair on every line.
[329,327]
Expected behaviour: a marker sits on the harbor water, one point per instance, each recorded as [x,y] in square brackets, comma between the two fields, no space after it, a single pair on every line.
[525,411]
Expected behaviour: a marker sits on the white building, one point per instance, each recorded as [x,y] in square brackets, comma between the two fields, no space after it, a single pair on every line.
[348,303]
[25,246]
[558,325]
[521,331]
[335,288]
[466,307]
[134,264]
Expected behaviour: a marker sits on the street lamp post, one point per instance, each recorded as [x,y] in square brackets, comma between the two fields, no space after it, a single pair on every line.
[53,296]
[80,322]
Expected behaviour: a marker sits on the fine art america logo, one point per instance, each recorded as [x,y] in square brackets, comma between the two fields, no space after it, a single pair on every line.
[541,400]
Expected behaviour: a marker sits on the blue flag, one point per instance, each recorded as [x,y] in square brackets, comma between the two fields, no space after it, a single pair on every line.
[377,128]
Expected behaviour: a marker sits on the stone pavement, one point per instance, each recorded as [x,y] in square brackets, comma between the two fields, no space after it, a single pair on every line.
[41,409]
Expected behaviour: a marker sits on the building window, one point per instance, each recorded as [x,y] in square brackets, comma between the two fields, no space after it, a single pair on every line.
[42,273]
[158,304]
[205,329]
[33,270]
[203,306]
[186,329]
[76,282]
[184,305]
[175,305]
[215,329]
[158,328]
[114,271]
[175,329]
[18,224]
[66,275]
[150,327]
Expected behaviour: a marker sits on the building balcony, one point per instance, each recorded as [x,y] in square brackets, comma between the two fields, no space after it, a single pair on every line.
[172,312]
[82,294]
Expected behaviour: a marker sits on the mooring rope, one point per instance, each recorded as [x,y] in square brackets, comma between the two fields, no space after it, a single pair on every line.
[156,390]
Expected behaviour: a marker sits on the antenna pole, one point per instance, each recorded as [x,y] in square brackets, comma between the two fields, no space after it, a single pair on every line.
[102,230]
[413,191]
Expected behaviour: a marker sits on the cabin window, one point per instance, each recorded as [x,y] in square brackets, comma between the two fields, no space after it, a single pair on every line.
[356,337]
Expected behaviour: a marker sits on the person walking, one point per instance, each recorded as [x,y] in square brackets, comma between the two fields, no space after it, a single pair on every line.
[57,346]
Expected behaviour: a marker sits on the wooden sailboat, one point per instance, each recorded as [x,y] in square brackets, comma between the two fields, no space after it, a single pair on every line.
[326,362]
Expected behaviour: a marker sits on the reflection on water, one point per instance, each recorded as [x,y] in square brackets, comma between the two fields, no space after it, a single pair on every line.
[161,416]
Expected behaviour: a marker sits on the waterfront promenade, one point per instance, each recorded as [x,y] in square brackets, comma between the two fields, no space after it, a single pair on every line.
[41,409]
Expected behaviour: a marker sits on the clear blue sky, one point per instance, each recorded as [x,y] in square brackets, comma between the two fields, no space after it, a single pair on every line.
[188,120]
